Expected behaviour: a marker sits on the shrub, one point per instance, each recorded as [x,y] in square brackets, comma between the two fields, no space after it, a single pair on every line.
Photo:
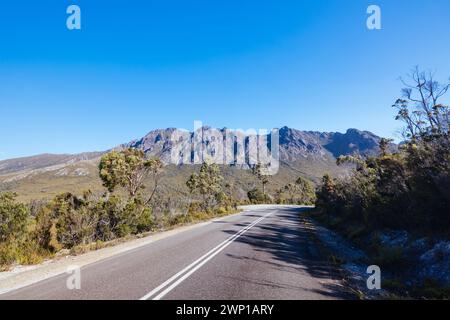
[407,190]
[299,192]
[16,245]
[256,196]
[208,185]
[68,221]
[13,219]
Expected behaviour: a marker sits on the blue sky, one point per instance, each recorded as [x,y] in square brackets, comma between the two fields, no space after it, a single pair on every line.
[140,65]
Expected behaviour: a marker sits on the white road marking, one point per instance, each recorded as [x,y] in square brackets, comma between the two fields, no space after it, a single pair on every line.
[197,264]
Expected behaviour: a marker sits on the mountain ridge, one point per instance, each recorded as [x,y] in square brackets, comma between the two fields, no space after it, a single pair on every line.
[309,154]
[294,144]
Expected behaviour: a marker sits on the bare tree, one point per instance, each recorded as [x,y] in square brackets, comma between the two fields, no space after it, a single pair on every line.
[420,106]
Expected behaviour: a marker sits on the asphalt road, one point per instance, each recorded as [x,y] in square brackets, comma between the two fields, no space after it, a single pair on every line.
[264,253]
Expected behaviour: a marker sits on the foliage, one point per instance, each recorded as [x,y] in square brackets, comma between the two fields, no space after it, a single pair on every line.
[68,221]
[406,190]
[299,192]
[13,218]
[16,243]
[256,196]
[260,172]
[420,109]
[208,184]
[76,222]
[128,169]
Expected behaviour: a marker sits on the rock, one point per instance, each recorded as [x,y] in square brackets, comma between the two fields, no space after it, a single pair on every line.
[338,244]
[417,247]
[436,263]
[394,239]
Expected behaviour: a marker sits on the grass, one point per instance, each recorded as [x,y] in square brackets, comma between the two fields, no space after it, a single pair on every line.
[27,253]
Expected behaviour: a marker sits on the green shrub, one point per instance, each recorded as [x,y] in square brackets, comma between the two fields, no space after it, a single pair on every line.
[68,221]
[13,218]
[16,245]
[256,196]
[299,192]
[407,190]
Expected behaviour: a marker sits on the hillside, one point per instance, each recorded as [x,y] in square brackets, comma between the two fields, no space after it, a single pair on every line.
[302,153]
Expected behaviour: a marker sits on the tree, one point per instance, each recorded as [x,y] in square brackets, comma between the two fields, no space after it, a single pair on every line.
[356,160]
[260,172]
[409,189]
[256,196]
[306,191]
[325,194]
[301,191]
[207,183]
[13,218]
[129,169]
[384,146]
[420,109]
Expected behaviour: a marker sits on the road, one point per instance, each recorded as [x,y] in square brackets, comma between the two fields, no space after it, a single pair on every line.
[264,253]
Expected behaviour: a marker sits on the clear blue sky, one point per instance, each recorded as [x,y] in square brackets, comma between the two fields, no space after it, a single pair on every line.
[140,65]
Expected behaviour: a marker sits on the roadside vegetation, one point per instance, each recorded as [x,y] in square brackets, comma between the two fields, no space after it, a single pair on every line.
[130,204]
[297,192]
[30,233]
[405,192]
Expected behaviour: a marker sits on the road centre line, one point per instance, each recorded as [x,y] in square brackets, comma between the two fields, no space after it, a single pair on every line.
[179,277]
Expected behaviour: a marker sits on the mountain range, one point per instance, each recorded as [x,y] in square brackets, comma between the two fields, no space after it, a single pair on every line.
[302,153]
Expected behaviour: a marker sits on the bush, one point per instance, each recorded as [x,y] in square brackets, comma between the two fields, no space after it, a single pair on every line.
[13,219]
[407,190]
[256,196]
[16,244]
[396,191]
[299,192]
[69,221]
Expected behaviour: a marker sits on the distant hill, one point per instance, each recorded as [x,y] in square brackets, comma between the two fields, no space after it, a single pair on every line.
[302,153]
[44,161]
[294,144]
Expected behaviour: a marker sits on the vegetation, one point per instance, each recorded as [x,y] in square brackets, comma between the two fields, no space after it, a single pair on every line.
[299,192]
[68,221]
[215,195]
[208,184]
[30,233]
[13,218]
[130,200]
[16,243]
[129,169]
[406,190]
[409,189]
[260,172]
[256,196]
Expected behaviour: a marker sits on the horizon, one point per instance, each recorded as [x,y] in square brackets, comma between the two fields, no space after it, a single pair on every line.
[308,65]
